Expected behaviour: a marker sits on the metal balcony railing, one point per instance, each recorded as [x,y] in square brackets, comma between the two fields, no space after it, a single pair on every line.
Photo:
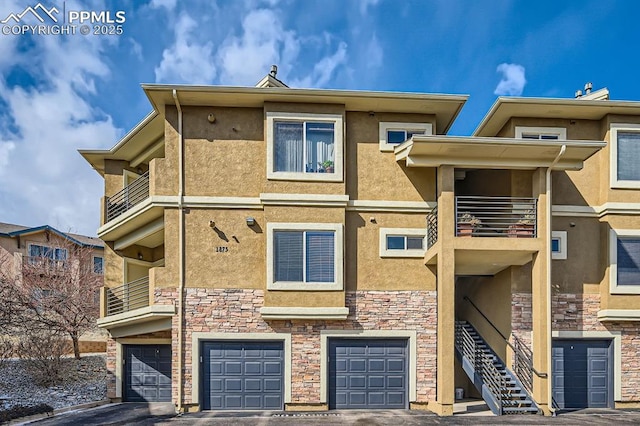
[432,227]
[133,194]
[127,297]
[479,216]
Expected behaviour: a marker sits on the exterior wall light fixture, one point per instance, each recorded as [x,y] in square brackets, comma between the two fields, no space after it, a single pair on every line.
[250,221]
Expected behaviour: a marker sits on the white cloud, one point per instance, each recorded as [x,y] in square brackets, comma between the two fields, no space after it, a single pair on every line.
[366,4]
[244,60]
[513,80]
[136,49]
[375,53]
[324,69]
[170,5]
[43,180]
[187,60]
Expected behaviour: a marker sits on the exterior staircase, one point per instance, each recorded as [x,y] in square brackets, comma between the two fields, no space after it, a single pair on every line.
[500,388]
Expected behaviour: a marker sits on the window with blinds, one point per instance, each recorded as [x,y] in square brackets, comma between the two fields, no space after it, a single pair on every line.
[628,261]
[628,156]
[305,256]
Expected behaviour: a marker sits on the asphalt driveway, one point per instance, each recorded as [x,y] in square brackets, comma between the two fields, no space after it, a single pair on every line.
[162,414]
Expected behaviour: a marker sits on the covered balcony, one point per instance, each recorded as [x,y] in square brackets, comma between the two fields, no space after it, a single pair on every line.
[125,308]
[127,297]
[130,196]
[512,217]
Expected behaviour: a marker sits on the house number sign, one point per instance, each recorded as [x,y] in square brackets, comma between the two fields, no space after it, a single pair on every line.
[222,249]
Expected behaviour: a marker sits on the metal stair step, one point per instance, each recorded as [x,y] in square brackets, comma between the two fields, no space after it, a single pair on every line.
[519,410]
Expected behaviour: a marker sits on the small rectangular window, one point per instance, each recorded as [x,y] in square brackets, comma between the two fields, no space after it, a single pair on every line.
[541,133]
[393,134]
[402,242]
[98,265]
[559,245]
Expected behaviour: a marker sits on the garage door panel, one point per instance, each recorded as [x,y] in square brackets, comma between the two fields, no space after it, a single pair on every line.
[232,367]
[272,368]
[251,373]
[582,373]
[368,373]
[147,373]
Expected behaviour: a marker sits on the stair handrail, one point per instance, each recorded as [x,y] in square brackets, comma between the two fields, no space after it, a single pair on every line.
[518,352]
[482,364]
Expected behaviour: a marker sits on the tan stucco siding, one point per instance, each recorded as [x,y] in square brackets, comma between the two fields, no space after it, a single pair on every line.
[226,157]
[375,175]
[366,270]
[583,270]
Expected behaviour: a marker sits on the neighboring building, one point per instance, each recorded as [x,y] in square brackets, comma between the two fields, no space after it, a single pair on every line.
[299,249]
[44,246]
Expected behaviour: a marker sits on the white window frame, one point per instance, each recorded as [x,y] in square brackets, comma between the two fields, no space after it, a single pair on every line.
[338,138]
[613,143]
[52,248]
[402,232]
[338,246]
[561,132]
[561,236]
[614,288]
[385,126]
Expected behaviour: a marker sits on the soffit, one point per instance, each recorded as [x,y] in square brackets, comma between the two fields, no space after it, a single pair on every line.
[506,108]
[444,107]
[434,151]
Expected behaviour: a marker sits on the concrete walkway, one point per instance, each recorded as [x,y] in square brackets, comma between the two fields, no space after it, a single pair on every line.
[163,414]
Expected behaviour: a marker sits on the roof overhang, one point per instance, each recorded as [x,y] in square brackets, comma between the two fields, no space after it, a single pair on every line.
[497,153]
[445,107]
[575,109]
[140,140]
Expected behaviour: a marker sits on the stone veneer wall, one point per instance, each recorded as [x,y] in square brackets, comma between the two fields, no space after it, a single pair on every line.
[572,312]
[237,311]
[521,316]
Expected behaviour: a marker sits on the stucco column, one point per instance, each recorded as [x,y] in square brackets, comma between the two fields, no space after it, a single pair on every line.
[540,288]
[446,293]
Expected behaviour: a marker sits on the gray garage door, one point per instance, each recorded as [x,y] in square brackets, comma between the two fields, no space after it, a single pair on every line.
[243,375]
[582,373]
[368,373]
[147,373]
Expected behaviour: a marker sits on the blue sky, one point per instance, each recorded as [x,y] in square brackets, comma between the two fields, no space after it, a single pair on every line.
[61,93]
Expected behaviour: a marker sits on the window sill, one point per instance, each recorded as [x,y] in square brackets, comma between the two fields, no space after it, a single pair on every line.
[311,177]
[288,312]
[295,286]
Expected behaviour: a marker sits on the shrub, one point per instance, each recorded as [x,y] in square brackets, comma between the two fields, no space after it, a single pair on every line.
[42,355]
[18,411]
[7,350]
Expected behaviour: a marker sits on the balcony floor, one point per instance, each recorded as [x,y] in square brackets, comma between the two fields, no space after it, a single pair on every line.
[487,256]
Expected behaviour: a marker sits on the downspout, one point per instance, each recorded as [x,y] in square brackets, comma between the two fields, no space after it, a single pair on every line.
[180,407]
[549,257]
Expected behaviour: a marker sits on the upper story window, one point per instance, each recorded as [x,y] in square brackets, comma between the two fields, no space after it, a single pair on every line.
[624,260]
[402,242]
[304,256]
[559,245]
[393,134]
[98,265]
[304,146]
[51,255]
[625,155]
[541,133]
